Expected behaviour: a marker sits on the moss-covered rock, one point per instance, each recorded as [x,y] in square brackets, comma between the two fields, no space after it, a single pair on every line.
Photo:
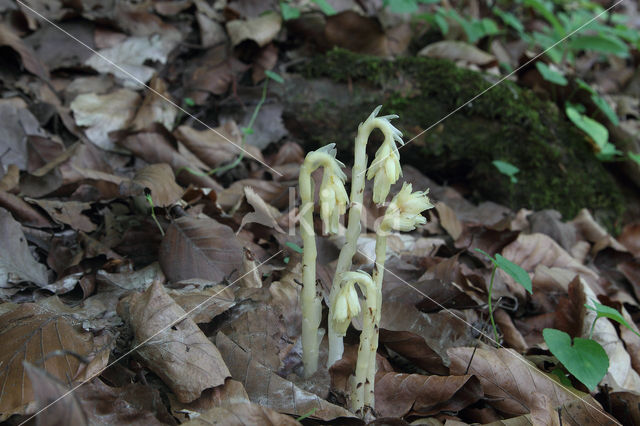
[557,166]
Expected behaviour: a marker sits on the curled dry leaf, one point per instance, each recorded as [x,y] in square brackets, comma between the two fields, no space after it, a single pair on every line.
[199,247]
[531,250]
[214,148]
[400,394]
[29,59]
[155,108]
[67,213]
[131,55]
[181,355]
[132,404]
[17,125]
[231,393]
[457,51]
[268,389]
[630,238]
[593,232]
[101,114]
[154,146]
[31,333]
[263,213]
[47,388]
[218,300]
[448,220]
[513,385]
[160,180]
[262,29]
[241,414]
[438,331]
[274,193]
[16,261]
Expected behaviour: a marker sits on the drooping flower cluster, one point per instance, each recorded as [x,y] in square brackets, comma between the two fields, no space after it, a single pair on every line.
[385,169]
[333,196]
[347,305]
[404,211]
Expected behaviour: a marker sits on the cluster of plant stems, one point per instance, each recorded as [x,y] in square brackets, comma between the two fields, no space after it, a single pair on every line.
[403,213]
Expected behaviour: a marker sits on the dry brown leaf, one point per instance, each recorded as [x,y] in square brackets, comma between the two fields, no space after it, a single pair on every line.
[631,271]
[31,333]
[22,211]
[513,386]
[181,355]
[262,29]
[511,335]
[260,332]
[154,146]
[231,393]
[242,414]
[11,179]
[131,54]
[274,193]
[439,331]
[214,148]
[630,238]
[570,311]
[448,220]
[47,388]
[626,407]
[218,299]
[457,51]
[400,394]
[101,114]
[263,213]
[29,59]
[160,180]
[67,213]
[199,247]
[593,232]
[18,124]
[155,108]
[133,404]
[16,261]
[532,250]
[268,389]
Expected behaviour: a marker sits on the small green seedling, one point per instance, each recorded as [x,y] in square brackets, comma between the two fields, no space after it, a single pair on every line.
[294,247]
[551,75]
[585,358]
[307,414]
[608,312]
[507,169]
[596,131]
[147,196]
[516,272]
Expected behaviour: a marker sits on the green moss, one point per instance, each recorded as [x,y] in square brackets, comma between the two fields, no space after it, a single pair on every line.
[558,168]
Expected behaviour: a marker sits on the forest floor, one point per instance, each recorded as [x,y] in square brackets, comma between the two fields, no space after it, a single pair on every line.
[150,251]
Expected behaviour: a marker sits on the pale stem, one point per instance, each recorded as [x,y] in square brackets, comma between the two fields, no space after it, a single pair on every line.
[336,346]
[378,273]
[368,343]
[311,303]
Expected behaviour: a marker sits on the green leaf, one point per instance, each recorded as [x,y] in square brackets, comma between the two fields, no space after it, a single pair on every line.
[325,7]
[591,127]
[605,108]
[549,74]
[634,157]
[509,19]
[560,374]
[293,246]
[487,255]
[517,273]
[247,130]
[546,13]
[289,12]
[401,6]
[442,23]
[600,43]
[273,76]
[608,312]
[585,359]
[307,414]
[286,260]
[507,169]
[189,102]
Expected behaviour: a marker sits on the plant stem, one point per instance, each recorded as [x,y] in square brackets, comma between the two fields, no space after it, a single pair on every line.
[378,274]
[368,345]
[311,303]
[493,323]
[336,346]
